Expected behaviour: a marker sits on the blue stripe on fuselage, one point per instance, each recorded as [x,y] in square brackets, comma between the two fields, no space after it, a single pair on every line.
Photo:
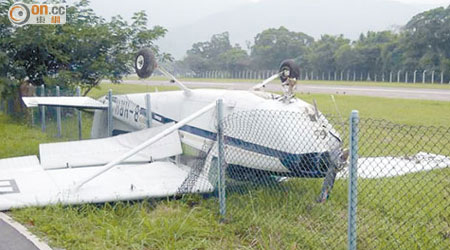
[228,140]
[293,162]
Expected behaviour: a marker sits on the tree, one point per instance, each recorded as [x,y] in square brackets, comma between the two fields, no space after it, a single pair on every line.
[369,49]
[82,52]
[346,58]
[234,59]
[8,85]
[272,46]
[323,53]
[426,40]
[216,54]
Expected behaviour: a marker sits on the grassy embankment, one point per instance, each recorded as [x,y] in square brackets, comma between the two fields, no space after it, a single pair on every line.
[404,212]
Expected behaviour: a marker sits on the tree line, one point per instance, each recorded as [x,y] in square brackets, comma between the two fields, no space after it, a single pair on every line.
[423,44]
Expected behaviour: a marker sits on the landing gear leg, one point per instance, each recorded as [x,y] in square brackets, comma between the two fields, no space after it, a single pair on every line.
[335,166]
[328,183]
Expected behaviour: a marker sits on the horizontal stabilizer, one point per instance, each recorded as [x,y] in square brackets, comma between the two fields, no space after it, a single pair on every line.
[101,151]
[64,101]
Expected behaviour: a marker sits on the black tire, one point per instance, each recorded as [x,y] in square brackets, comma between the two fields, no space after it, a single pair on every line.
[292,67]
[144,63]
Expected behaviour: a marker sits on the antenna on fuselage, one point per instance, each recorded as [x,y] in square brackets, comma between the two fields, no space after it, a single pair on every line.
[145,64]
[337,109]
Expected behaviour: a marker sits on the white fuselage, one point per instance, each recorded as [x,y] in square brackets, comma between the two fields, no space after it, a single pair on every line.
[302,140]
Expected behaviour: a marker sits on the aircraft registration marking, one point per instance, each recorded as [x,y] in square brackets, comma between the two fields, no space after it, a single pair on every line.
[8,187]
[129,111]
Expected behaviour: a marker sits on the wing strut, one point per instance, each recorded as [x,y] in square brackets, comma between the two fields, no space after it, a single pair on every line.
[172,78]
[147,143]
[265,82]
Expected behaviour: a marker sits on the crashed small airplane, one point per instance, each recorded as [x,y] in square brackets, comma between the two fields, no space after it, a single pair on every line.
[140,162]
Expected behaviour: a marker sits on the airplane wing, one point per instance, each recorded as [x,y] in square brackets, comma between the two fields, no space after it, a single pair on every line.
[28,181]
[64,101]
[101,151]
[29,184]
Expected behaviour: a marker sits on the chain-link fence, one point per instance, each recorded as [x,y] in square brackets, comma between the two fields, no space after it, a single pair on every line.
[281,166]
[403,186]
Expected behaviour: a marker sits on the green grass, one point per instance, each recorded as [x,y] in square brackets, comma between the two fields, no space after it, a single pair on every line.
[309,82]
[391,211]
[380,84]
[401,111]
[405,212]
[18,139]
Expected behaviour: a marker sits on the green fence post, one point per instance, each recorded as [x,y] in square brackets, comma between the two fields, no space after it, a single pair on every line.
[353,180]
[80,124]
[43,109]
[220,159]
[58,115]
[110,115]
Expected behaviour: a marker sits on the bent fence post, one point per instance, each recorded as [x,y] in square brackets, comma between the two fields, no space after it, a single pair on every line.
[58,115]
[110,116]
[352,180]
[80,131]
[220,159]
[43,109]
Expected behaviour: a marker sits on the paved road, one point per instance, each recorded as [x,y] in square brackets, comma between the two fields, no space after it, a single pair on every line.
[14,236]
[11,239]
[389,92]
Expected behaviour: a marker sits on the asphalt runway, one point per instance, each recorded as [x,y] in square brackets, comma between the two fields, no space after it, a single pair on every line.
[387,92]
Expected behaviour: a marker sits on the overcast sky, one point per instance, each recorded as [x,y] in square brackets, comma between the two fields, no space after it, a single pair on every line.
[173,13]
[190,21]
